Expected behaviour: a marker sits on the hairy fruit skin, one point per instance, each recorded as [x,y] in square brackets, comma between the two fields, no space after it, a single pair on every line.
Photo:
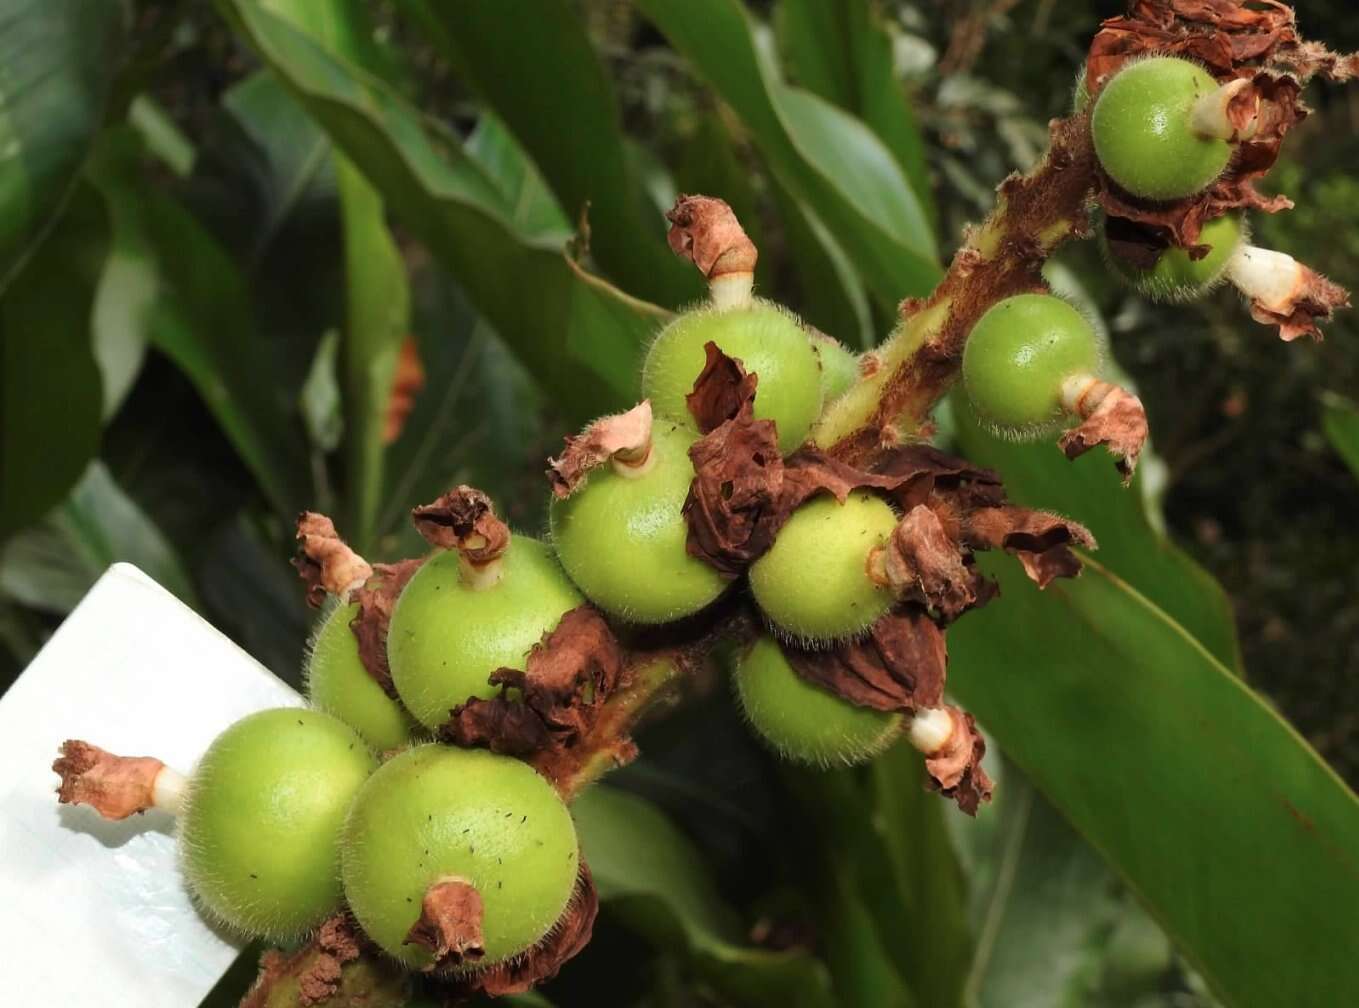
[802,721]
[839,366]
[622,538]
[338,684]
[1017,356]
[259,834]
[766,339]
[436,812]
[1177,277]
[813,583]
[447,636]
[1142,133]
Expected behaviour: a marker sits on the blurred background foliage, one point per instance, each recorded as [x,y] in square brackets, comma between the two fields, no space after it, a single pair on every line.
[227,231]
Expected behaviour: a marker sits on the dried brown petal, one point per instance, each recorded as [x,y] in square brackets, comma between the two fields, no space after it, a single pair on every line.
[1113,417]
[899,666]
[449,926]
[407,383]
[1042,541]
[625,436]
[720,390]
[568,936]
[324,561]
[705,231]
[956,771]
[463,519]
[376,600]
[114,786]
[1312,297]
[555,700]
[924,564]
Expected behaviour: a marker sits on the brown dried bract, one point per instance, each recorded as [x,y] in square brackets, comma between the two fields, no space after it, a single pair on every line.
[449,926]
[899,666]
[956,771]
[1040,540]
[922,563]
[325,561]
[705,231]
[625,436]
[463,519]
[555,700]
[1314,297]
[376,600]
[568,936]
[114,786]
[1113,417]
[720,390]
[318,966]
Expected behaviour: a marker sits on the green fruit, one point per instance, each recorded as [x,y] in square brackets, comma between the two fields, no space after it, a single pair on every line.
[801,720]
[1175,276]
[1142,133]
[622,537]
[434,813]
[1017,356]
[766,339]
[839,366]
[813,583]
[260,830]
[338,684]
[447,636]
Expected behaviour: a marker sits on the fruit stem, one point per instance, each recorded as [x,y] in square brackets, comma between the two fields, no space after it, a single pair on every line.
[480,576]
[1232,112]
[732,290]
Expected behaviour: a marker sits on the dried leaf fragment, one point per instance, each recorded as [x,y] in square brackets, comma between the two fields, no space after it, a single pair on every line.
[114,786]
[955,770]
[705,231]
[325,561]
[449,926]
[624,436]
[463,519]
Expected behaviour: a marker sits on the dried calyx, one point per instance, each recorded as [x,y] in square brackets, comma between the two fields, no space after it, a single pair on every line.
[464,519]
[116,786]
[325,561]
[705,231]
[623,440]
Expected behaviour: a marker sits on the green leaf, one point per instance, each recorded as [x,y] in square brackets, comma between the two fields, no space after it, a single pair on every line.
[557,73]
[320,398]
[1340,421]
[581,338]
[1088,489]
[821,154]
[202,318]
[52,565]
[58,57]
[50,393]
[651,875]
[1233,833]
[532,208]
[844,52]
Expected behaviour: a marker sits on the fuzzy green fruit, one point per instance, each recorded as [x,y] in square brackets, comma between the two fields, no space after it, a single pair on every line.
[1175,276]
[1142,132]
[766,339]
[839,366]
[434,813]
[802,721]
[338,684]
[1017,356]
[448,635]
[622,537]
[813,583]
[260,830]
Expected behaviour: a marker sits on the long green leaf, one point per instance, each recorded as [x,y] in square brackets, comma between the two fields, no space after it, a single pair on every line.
[557,74]
[821,154]
[648,872]
[582,338]
[1234,833]
[57,58]
[843,52]
[1340,421]
[51,401]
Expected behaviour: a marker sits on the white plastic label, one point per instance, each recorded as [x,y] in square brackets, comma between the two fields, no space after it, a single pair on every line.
[94,913]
